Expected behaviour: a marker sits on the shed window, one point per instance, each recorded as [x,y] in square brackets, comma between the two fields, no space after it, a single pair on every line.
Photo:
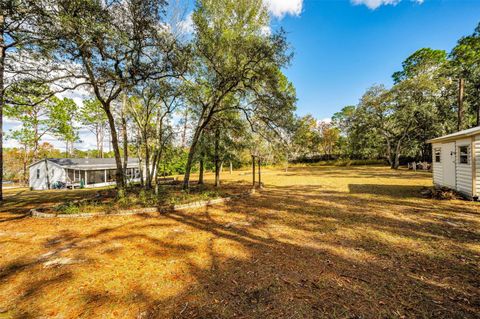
[463,154]
[38,173]
[438,156]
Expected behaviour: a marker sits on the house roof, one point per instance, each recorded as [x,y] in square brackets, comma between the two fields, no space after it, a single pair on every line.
[455,136]
[89,163]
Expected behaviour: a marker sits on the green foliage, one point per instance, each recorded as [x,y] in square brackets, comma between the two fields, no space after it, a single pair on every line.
[423,61]
[465,63]
[79,207]
[398,121]
[40,113]
[236,67]
[174,161]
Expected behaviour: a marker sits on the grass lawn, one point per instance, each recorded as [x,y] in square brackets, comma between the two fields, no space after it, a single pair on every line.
[318,242]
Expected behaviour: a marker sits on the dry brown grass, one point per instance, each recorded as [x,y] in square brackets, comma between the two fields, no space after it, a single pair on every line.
[318,242]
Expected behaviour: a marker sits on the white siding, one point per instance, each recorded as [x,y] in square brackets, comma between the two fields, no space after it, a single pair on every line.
[437,167]
[477,162]
[464,171]
[57,173]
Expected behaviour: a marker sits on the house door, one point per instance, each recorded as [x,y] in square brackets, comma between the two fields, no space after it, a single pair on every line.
[449,166]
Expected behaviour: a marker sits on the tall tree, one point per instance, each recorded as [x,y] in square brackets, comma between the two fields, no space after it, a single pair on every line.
[65,127]
[329,137]
[18,21]
[116,45]
[232,57]
[93,117]
[38,115]
[466,62]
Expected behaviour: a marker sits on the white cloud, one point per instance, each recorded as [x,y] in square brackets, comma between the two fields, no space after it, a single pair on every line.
[266,30]
[281,8]
[374,4]
[327,120]
[186,26]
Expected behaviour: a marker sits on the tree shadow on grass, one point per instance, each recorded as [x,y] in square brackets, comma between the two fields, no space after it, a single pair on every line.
[397,191]
[289,252]
[290,280]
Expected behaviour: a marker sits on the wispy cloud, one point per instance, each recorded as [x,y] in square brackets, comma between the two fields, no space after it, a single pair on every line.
[374,4]
[186,26]
[281,8]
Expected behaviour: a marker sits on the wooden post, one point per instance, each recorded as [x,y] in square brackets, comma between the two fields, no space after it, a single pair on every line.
[260,173]
[105,177]
[461,92]
[201,171]
[253,171]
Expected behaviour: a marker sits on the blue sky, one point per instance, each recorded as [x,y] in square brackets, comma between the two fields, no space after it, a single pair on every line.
[341,48]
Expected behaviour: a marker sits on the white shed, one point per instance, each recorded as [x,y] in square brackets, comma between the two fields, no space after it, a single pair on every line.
[73,172]
[456,162]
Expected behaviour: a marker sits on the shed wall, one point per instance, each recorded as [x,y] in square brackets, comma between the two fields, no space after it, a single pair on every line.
[437,167]
[464,171]
[476,152]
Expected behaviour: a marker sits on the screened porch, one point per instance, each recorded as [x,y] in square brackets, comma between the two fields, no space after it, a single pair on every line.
[96,176]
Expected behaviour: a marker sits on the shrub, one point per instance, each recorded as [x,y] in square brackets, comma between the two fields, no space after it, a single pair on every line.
[68,208]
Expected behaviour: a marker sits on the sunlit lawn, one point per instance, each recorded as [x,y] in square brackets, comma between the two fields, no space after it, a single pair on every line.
[318,242]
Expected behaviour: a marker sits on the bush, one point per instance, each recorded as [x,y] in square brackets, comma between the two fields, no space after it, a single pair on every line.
[442,193]
[68,208]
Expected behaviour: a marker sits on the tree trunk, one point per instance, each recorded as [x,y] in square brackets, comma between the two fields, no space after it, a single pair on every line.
[25,160]
[35,142]
[185,126]
[396,156]
[191,153]
[97,137]
[390,155]
[140,168]
[217,157]
[478,114]
[231,168]
[125,140]
[461,92]
[259,172]
[478,106]
[101,138]
[148,175]
[47,173]
[253,171]
[119,177]
[2,71]
[201,170]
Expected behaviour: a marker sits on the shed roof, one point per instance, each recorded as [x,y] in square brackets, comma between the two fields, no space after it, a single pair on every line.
[89,163]
[455,136]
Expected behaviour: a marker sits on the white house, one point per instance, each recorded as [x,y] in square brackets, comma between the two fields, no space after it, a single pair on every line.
[91,172]
[456,162]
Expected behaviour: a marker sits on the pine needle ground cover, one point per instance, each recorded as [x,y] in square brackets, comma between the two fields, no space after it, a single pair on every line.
[317,242]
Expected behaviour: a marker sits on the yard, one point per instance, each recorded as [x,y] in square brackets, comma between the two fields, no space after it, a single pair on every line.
[317,242]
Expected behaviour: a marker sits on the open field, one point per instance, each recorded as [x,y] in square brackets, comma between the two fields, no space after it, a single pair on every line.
[318,242]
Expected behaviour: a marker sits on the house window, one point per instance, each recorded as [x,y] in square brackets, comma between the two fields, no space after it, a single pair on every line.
[463,150]
[38,173]
[438,156]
